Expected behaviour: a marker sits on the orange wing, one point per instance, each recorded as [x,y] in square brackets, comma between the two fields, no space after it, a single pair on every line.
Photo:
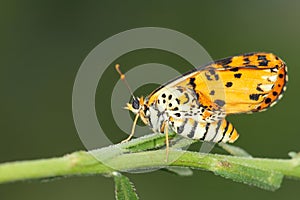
[239,84]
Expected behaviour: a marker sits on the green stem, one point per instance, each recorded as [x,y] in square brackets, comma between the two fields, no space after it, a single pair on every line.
[265,173]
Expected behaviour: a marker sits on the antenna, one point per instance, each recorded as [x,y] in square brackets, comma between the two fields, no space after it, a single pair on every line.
[122,77]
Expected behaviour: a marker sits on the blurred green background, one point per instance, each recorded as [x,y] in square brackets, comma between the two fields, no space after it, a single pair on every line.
[43,43]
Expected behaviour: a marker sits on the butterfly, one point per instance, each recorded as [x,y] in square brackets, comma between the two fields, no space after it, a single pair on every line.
[195,104]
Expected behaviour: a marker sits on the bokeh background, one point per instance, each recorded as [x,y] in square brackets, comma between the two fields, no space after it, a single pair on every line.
[43,43]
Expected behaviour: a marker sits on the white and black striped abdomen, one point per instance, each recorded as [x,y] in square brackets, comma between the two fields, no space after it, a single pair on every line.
[220,131]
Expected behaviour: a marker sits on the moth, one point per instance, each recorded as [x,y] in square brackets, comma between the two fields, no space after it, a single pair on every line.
[195,104]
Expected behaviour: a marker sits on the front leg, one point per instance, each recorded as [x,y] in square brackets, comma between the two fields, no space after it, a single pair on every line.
[166,131]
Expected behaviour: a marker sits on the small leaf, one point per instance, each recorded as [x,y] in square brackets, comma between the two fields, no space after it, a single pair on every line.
[233,150]
[124,189]
[181,171]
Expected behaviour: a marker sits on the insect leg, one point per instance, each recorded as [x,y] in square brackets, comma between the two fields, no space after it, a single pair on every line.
[132,130]
[167,140]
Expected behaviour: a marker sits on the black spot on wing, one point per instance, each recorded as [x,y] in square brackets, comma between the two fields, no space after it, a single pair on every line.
[219,102]
[212,71]
[254,97]
[211,74]
[261,57]
[246,61]
[192,82]
[263,63]
[177,114]
[216,76]
[237,75]
[274,69]
[258,88]
[208,76]
[268,100]
[228,84]
[275,93]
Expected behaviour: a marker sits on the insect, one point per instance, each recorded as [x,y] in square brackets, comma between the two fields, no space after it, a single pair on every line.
[195,104]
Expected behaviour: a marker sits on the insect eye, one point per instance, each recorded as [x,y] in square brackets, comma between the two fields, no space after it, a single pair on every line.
[136,104]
